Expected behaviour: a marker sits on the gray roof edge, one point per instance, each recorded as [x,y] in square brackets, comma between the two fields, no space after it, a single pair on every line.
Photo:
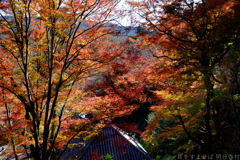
[140,150]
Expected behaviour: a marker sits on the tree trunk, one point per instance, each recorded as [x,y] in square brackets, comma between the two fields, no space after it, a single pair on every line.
[207,116]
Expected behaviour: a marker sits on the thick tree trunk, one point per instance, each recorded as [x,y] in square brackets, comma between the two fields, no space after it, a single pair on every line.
[207,116]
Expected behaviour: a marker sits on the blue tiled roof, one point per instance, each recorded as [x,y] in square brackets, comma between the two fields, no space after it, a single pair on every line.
[116,143]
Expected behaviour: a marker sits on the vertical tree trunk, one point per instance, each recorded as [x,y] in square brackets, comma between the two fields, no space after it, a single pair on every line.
[207,116]
[53,129]
[10,124]
[14,149]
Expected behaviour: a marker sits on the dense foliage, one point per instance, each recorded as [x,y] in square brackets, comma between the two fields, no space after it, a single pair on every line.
[196,69]
[176,77]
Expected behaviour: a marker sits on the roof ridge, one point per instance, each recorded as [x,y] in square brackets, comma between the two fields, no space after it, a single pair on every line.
[141,149]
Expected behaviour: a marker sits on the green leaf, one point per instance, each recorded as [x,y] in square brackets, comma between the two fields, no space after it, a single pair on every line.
[107,157]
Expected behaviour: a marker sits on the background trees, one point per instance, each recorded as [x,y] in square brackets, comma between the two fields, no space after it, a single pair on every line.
[193,43]
[50,50]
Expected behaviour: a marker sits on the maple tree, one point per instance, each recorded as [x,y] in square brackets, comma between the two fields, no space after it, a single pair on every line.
[48,49]
[119,87]
[195,65]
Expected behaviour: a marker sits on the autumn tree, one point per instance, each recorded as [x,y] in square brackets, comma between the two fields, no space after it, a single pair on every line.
[48,48]
[120,86]
[193,45]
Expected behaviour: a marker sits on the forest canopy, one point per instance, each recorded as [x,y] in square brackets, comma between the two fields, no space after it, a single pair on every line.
[68,68]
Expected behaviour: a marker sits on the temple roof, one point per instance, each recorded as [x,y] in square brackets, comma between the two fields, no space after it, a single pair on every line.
[114,141]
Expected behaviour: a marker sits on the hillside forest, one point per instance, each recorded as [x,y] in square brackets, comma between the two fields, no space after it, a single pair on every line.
[68,68]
